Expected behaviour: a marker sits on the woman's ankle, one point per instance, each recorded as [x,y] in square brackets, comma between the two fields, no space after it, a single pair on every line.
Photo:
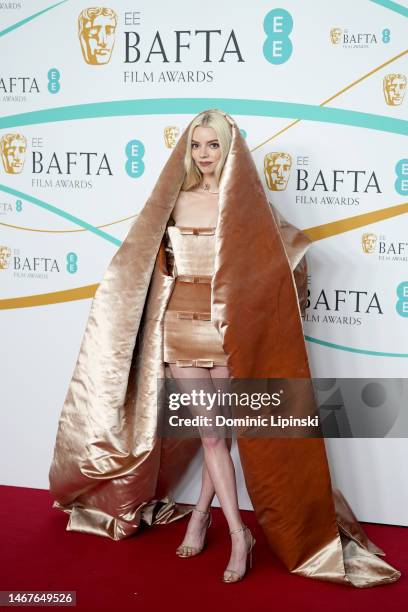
[238,529]
[201,510]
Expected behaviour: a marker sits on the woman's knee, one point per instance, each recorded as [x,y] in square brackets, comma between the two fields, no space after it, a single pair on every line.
[213,442]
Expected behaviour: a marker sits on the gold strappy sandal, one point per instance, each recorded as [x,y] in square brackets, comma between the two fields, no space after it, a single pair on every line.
[191,551]
[249,552]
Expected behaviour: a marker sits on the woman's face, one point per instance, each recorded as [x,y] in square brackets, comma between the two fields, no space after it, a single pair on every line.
[205,149]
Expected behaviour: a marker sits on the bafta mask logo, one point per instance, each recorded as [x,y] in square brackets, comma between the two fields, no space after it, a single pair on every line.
[335,35]
[13,148]
[96,31]
[277,170]
[5,253]
[171,134]
[394,86]
[368,242]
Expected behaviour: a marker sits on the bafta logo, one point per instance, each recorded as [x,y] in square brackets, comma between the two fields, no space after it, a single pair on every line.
[335,35]
[96,31]
[171,134]
[368,242]
[13,148]
[5,253]
[277,170]
[394,86]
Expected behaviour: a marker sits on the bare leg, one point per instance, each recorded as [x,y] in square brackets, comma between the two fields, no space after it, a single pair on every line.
[218,477]
[197,525]
[226,487]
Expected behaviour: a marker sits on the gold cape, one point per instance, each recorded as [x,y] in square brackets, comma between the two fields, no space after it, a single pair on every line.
[111,470]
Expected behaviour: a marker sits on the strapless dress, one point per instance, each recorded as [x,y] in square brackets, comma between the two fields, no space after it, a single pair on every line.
[190,337]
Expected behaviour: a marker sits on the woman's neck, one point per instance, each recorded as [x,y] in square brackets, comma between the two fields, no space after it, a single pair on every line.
[209,183]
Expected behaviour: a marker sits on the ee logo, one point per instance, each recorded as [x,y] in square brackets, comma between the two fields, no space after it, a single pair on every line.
[401,182]
[277,24]
[402,302]
[53,80]
[72,263]
[135,151]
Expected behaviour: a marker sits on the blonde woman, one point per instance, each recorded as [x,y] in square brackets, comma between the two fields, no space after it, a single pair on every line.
[185,340]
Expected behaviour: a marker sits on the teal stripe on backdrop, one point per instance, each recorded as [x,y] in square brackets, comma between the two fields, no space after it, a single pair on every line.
[393,6]
[163,106]
[350,349]
[61,213]
[18,24]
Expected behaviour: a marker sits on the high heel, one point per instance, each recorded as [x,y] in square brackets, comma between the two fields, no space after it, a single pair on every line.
[249,552]
[191,551]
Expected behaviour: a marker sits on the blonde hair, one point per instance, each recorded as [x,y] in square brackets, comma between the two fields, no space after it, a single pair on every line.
[213,119]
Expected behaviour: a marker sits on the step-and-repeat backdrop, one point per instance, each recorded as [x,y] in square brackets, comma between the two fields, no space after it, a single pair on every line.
[93,99]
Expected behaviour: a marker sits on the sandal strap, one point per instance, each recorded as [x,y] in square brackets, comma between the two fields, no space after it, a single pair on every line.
[202,511]
[240,529]
[194,549]
[190,550]
[231,570]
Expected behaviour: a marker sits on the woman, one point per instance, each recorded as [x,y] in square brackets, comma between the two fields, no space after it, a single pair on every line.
[195,218]
[111,470]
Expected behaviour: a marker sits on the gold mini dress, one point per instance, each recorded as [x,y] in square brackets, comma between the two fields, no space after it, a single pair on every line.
[190,337]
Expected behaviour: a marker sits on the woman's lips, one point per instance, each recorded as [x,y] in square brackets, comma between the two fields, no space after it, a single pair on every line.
[205,163]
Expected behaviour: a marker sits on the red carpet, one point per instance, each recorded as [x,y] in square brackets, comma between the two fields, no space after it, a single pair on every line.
[143,573]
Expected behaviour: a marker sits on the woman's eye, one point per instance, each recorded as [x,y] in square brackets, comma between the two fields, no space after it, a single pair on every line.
[214,145]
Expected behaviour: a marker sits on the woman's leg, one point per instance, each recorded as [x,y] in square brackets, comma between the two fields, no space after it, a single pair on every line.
[205,376]
[197,525]
[219,475]
[208,490]
[226,487]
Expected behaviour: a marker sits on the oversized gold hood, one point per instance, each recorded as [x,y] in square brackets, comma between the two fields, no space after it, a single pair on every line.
[110,468]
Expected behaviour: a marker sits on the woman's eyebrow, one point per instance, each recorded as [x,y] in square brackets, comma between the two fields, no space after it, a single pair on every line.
[213,140]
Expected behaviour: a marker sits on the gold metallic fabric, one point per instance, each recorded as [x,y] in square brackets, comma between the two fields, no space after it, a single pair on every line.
[110,470]
[190,338]
[188,333]
[193,249]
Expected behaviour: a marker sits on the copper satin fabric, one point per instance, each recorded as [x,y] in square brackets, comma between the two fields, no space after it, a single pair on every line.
[110,470]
